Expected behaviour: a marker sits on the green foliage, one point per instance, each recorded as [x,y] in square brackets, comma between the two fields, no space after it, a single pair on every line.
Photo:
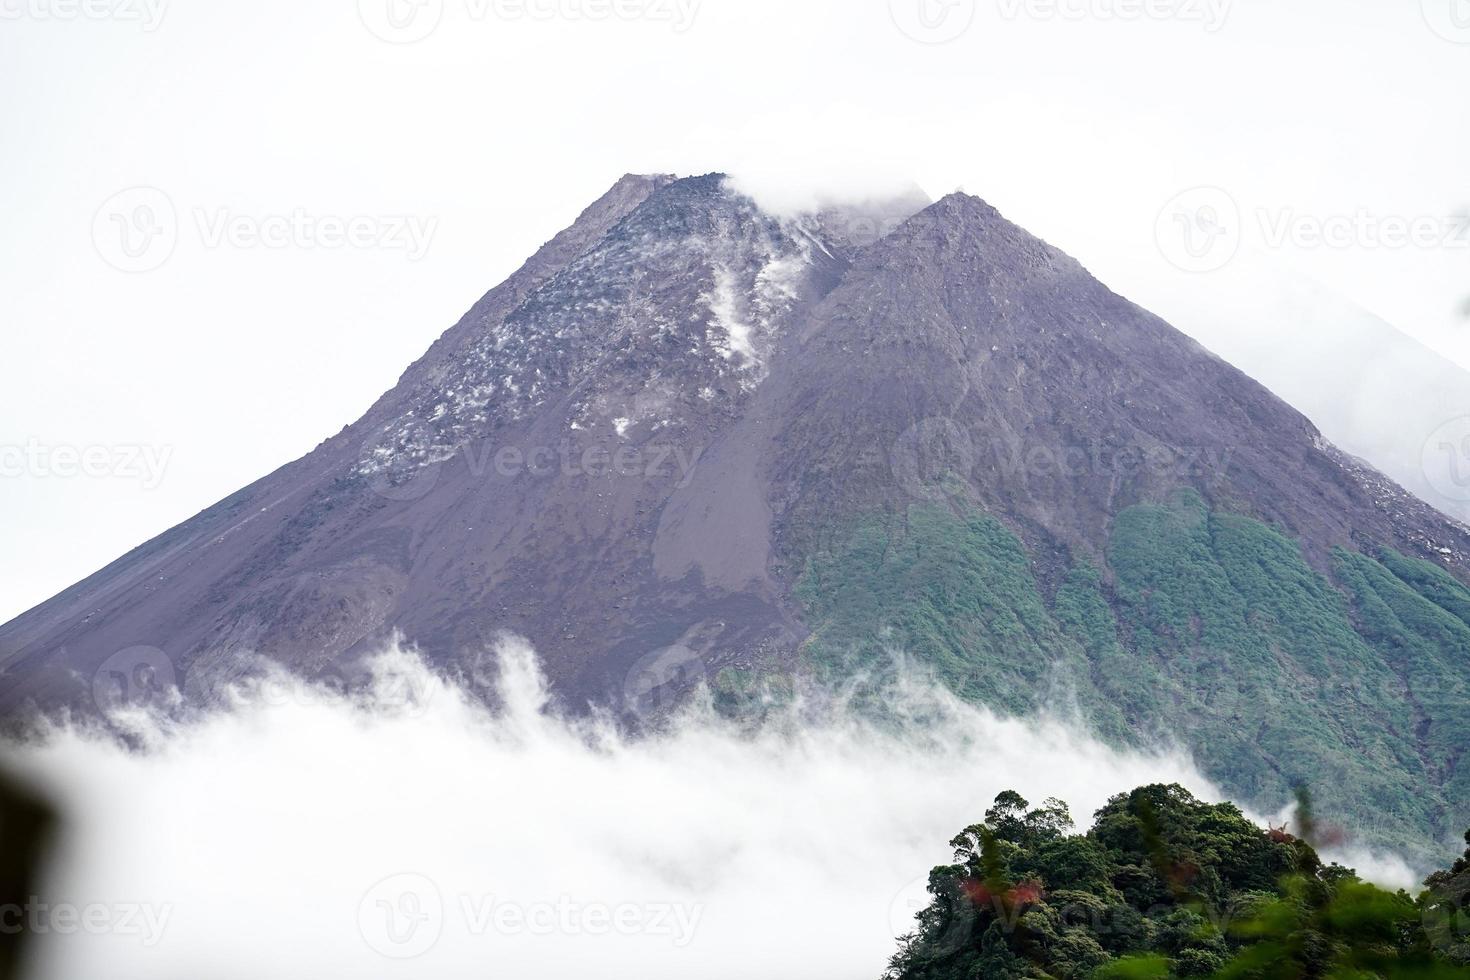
[1259,650]
[1445,908]
[1143,966]
[1428,646]
[1432,582]
[1167,887]
[1209,625]
[955,593]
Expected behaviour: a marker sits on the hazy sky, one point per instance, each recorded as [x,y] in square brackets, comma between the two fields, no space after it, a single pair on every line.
[227,228]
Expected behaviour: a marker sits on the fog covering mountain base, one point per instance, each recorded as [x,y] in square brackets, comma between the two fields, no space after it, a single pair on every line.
[280,835]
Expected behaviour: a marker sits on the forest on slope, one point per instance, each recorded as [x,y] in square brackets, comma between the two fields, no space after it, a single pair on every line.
[1197,625]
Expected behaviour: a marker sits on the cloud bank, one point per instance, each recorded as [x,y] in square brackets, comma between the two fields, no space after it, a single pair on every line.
[411,832]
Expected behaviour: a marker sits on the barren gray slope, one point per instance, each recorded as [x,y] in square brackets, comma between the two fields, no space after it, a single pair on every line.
[744,384]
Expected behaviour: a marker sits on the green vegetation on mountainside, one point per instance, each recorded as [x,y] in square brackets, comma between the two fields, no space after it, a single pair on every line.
[955,593]
[1212,628]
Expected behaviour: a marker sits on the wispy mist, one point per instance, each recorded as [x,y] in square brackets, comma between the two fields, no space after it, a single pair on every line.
[411,832]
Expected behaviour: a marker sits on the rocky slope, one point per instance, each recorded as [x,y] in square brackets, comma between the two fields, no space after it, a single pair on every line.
[692,440]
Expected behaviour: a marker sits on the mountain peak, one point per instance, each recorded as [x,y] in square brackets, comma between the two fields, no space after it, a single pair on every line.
[969,237]
[967,214]
[644,449]
[959,201]
[632,179]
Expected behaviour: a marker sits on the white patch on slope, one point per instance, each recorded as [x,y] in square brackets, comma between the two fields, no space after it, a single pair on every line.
[724,306]
[750,317]
[779,282]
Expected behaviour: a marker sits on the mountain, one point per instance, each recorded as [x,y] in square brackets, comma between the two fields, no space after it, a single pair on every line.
[690,440]
[1376,392]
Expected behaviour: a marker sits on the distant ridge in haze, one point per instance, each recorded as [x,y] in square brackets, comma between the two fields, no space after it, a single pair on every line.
[1375,391]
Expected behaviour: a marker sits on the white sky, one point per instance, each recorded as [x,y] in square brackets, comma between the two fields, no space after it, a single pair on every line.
[231,358]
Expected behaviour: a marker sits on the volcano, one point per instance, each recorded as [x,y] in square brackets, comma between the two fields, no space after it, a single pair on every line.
[692,442]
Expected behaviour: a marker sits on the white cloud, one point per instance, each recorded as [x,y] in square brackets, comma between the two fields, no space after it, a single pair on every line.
[306,834]
[284,837]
